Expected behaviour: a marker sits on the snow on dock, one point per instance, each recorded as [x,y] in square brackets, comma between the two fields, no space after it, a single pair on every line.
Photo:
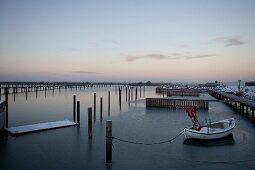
[39,127]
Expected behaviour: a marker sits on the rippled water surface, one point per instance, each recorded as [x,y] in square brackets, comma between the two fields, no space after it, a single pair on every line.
[69,148]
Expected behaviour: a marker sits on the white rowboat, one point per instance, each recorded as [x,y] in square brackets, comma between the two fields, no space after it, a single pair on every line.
[213,130]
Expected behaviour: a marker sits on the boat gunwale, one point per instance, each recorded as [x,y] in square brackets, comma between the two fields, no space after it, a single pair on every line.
[213,133]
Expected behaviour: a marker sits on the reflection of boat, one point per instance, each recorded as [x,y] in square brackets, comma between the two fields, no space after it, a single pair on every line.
[213,130]
[228,140]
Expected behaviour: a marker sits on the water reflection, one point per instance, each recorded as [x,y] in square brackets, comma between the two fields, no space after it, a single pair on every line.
[228,140]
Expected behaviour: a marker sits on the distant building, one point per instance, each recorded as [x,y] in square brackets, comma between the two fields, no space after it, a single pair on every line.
[251,83]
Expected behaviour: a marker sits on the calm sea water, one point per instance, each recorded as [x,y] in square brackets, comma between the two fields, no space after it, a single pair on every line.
[69,148]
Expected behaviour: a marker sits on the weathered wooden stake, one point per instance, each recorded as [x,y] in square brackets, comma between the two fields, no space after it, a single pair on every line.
[74,107]
[78,113]
[95,106]
[0,91]
[90,122]
[119,96]
[109,100]
[101,108]
[26,93]
[140,91]
[6,107]
[108,142]
[126,94]
[136,93]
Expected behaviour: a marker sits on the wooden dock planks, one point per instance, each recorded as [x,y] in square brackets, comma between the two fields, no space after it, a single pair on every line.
[39,127]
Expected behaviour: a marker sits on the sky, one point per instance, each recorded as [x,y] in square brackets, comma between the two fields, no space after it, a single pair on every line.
[127,40]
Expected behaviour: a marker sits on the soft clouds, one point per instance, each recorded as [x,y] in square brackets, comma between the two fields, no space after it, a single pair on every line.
[200,56]
[175,56]
[230,41]
[84,72]
[148,56]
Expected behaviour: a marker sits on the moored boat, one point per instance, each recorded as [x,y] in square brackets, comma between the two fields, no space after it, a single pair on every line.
[213,130]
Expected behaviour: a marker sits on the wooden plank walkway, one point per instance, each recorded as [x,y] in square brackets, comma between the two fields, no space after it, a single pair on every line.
[39,127]
[227,96]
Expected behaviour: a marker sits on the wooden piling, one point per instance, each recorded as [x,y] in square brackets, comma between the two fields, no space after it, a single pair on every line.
[90,122]
[109,100]
[74,107]
[108,142]
[119,96]
[26,93]
[101,108]
[136,93]
[95,106]
[6,91]
[78,113]
[0,91]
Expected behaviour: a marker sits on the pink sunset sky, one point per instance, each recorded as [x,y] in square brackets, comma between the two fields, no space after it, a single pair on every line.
[169,41]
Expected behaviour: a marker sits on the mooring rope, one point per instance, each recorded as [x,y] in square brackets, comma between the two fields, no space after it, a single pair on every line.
[141,143]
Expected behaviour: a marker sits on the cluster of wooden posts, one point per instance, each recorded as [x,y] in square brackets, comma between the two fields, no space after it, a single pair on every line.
[182,93]
[176,103]
[131,93]
[245,106]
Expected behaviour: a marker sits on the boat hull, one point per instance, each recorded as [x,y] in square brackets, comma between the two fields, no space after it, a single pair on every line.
[211,133]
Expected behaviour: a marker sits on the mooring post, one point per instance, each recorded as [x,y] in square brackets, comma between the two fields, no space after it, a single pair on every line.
[140,91]
[136,93]
[131,93]
[143,90]
[78,113]
[0,91]
[95,106]
[109,100]
[90,122]
[26,93]
[101,108]
[6,91]
[119,96]
[74,107]
[126,93]
[108,142]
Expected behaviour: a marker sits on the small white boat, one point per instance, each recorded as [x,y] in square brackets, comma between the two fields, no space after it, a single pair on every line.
[213,130]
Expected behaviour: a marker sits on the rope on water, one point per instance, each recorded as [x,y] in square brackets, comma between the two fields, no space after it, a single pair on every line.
[141,143]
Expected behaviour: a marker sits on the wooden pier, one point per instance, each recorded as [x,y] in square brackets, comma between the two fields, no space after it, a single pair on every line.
[245,106]
[40,127]
[178,92]
[177,103]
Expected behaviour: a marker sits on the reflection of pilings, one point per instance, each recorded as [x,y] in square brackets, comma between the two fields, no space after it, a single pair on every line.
[108,141]
[90,122]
